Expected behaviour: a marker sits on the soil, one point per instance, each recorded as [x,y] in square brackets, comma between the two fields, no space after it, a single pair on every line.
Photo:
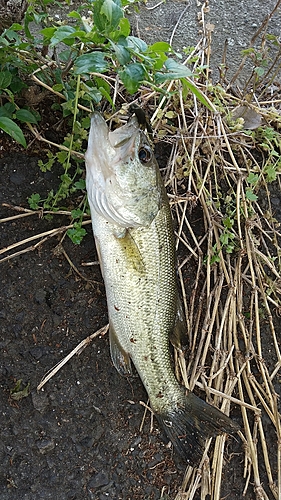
[79,438]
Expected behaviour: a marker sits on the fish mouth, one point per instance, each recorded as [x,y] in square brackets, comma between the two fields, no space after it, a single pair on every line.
[124,136]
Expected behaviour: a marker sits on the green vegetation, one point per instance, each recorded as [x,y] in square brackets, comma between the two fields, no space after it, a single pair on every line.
[91,60]
[82,63]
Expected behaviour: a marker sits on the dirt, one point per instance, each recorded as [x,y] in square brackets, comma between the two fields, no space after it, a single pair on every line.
[79,438]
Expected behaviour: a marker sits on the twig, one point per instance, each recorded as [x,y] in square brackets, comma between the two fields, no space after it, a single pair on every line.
[78,349]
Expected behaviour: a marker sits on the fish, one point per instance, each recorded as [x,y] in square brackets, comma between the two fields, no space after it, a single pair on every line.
[134,236]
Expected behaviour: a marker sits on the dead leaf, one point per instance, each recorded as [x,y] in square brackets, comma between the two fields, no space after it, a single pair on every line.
[251,118]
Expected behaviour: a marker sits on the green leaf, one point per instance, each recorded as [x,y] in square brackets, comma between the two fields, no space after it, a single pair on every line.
[5,79]
[34,200]
[271,173]
[81,184]
[250,195]
[124,27]
[132,76]
[48,33]
[107,14]
[66,180]
[252,178]
[228,223]
[74,14]
[137,44]
[25,116]
[17,85]
[75,214]
[122,54]
[58,87]
[11,128]
[197,92]
[107,96]
[62,34]
[259,71]
[18,393]
[62,156]
[7,110]
[174,71]
[76,234]
[93,62]
[160,47]
[112,11]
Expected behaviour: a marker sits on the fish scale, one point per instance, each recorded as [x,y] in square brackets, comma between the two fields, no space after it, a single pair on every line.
[133,231]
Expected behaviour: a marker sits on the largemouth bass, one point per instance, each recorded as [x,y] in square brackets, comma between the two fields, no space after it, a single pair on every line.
[134,237]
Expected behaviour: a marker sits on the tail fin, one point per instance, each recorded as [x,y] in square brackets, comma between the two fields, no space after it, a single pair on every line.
[189,425]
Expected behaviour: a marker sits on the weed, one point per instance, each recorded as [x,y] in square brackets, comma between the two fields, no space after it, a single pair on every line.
[92,57]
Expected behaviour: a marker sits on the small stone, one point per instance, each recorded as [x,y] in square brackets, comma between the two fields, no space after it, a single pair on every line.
[45,446]
[39,400]
[100,479]
[40,296]
[36,352]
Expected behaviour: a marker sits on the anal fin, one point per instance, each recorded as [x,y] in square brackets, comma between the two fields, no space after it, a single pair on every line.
[120,358]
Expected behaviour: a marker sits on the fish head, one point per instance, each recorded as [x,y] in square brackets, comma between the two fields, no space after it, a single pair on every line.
[123,180]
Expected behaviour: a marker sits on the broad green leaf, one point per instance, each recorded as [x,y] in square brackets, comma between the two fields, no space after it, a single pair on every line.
[122,54]
[107,14]
[113,12]
[74,14]
[66,54]
[25,116]
[5,79]
[62,34]
[48,33]
[137,44]
[17,85]
[160,47]
[11,128]
[93,62]
[259,71]
[132,76]
[58,87]
[16,27]
[7,110]
[124,27]
[94,94]
[174,71]
[158,59]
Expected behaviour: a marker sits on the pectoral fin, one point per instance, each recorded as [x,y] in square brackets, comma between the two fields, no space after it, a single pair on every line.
[131,252]
[120,358]
[178,336]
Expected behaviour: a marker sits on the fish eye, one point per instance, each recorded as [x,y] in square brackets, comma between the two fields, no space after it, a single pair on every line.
[145,154]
